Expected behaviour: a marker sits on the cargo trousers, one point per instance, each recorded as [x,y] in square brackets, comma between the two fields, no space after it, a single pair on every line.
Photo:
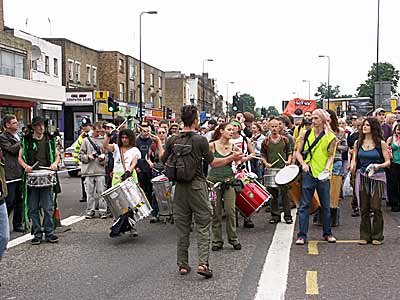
[191,201]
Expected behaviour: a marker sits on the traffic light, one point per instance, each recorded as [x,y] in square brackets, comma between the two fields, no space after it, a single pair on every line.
[263,112]
[235,103]
[113,106]
[169,113]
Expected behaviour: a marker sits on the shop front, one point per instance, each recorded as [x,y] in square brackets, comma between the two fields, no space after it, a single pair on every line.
[21,109]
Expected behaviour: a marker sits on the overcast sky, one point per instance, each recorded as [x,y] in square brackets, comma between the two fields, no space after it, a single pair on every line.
[266,47]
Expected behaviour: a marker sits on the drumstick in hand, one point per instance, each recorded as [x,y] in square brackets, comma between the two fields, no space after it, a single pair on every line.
[275,162]
[45,168]
[282,158]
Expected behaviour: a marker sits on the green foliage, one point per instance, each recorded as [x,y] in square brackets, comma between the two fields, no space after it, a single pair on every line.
[248,103]
[272,111]
[322,91]
[387,72]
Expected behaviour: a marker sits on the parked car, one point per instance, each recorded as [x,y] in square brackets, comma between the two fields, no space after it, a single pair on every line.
[69,162]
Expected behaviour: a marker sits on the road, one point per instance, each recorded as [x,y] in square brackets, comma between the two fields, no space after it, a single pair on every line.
[88,264]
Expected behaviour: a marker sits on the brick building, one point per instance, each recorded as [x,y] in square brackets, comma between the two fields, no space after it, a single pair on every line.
[177,91]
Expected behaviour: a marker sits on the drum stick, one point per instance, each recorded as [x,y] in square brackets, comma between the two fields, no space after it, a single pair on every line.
[35,164]
[45,168]
[282,158]
[275,162]
[123,123]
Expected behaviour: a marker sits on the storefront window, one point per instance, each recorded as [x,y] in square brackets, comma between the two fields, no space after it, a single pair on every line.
[22,115]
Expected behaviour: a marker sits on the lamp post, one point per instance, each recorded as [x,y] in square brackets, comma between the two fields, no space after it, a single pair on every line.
[377,49]
[204,99]
[227,96]
[329,75]
[309,88]
[152,12]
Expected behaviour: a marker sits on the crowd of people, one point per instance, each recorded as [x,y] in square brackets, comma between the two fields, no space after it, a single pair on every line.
[367,149]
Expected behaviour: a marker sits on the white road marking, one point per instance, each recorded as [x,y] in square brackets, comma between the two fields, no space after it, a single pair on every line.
[273,280]
[27,237]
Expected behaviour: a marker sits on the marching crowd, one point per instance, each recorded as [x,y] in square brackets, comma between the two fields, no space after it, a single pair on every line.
[365,149]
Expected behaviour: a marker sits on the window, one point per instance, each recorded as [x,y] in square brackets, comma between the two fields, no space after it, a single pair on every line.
[132,72]
[94,69]
[160,102]
[47,64]
[78,72]
[88,74]
[152,99]
[152,79]
[55,66]
[121,91]
[34,65]
[12,64]
[132,92]
[71,70]
[160,82]
[121,65]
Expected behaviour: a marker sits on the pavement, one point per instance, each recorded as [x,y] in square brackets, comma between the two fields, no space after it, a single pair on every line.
[88,264]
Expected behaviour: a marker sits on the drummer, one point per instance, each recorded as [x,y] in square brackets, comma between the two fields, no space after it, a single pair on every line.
[316,161]
[276,152]
[222,147]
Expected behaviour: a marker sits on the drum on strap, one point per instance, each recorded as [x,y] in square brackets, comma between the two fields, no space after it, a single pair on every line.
[269,177]
[335,188]
[41,178]
[125,197]
[252,197]
[162,188]
[290,176]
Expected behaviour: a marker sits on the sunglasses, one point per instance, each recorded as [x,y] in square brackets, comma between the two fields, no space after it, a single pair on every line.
[161,132]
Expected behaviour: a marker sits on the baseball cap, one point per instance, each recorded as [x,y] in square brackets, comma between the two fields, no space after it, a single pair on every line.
[379,110]
[37,120]
[111,125]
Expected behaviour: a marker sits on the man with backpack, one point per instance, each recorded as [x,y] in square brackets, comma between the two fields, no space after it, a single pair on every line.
[273,149]
[183,155]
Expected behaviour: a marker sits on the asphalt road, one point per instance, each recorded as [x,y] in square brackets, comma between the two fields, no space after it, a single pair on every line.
[88,264]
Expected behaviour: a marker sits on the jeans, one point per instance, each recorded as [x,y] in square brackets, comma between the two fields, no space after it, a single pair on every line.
[4,229]
[308,186]
[94,187]
[41,198]
[14,203]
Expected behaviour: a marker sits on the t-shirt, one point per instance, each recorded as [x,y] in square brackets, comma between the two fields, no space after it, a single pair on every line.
[42,155]
[386,130]
[128,157]
[270,151]
[201,151]
[143,145]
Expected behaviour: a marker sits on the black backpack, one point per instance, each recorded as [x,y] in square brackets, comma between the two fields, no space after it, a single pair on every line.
[181,166]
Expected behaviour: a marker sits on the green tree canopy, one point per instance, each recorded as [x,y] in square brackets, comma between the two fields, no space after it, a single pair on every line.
[248,102]
[322,91]
[272,111]
[387,72]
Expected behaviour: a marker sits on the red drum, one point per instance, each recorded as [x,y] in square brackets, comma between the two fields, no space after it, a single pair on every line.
[252,197]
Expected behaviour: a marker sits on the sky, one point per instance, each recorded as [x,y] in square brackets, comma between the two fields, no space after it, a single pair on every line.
[267,48]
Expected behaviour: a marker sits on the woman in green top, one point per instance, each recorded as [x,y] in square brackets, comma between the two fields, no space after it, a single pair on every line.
[222,146]
[393,180]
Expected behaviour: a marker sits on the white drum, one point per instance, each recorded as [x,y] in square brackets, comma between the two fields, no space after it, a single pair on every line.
[41,178]
[287,175]
[127,196]
[162,188]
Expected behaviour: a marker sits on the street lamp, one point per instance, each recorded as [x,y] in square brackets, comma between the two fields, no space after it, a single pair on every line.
[204,100]
[309,88]
[329,75]
[152,12]
[227,96]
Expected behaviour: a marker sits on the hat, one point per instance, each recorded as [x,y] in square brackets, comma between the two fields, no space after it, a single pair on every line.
[111,125]
[354,117]
[379,110]
[37,120]
[86,122]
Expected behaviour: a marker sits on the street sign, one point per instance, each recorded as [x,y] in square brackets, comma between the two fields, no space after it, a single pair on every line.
[101,95]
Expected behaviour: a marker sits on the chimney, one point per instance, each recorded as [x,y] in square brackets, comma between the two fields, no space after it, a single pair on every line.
[1,16]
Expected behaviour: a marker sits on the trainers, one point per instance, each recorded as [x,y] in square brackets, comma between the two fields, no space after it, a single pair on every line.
[90,215]
[216,247]
[52,239]
[300,241]
[153,220]
[36,241]
[377,242]
[237,246]
[330,239]
[103,216]
[355,213]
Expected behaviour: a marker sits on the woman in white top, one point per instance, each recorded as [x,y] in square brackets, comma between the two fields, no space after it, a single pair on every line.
[125,154]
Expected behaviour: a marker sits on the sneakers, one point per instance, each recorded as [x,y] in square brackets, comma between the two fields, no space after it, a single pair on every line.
[377,242]
[153,220]
[103,216]
[90,214]
[52,239]
[355,213]
[216,247]
[237,246]
[330,239]
[36,241]
[300,241]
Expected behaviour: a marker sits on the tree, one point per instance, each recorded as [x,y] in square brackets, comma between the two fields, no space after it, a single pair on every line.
[247,102]
[272,111]
[322,91]
[387,72]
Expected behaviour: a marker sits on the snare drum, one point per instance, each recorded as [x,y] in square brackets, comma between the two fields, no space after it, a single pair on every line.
[126,196]
[290,175]
[41,178]
[162,188]
[269,177]
[252,197]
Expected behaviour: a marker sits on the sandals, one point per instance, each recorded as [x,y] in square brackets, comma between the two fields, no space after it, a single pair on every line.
[204,270]
[184,270]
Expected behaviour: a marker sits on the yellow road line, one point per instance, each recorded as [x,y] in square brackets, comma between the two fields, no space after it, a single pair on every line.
[312,283]
[313,247]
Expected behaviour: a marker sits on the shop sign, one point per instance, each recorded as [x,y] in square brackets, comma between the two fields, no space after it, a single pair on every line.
[101,95]
[102,108]
[79,98]
[51,107]
[157,113]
